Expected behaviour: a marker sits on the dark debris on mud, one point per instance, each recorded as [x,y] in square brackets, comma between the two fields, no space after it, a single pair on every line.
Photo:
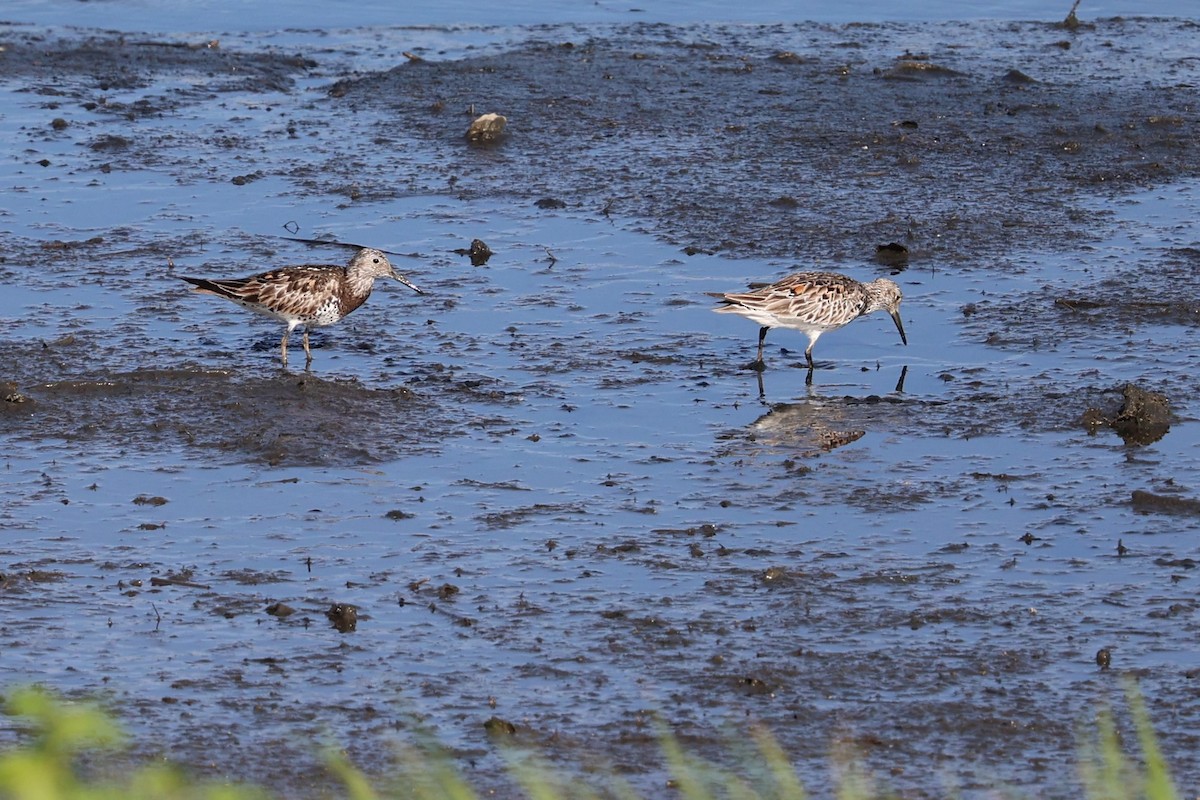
[1143,417]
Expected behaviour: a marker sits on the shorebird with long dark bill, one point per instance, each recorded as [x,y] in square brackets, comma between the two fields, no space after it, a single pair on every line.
[311,295]
[812,303]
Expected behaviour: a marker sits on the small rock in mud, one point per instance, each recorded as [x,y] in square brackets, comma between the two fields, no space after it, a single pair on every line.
[754,685]
[487,128]
[788,57]
[1144,418]
[183,580]
[280,610]
[915,69]
[1018,77]
[892,253]
[1078,305]
[499,727]
[58,244]
[343,616]
[479,252]
[145,500]
[12,396]
[43,576]
[109,143]
[1093,419]
[773,576]
[242,180]
[831,440]
[550,202]
[1149,502]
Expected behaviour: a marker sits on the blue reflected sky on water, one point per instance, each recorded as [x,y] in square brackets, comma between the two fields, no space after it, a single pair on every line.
[181,15]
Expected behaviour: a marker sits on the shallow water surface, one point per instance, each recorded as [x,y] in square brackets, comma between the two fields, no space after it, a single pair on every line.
[548,485]
[174,16]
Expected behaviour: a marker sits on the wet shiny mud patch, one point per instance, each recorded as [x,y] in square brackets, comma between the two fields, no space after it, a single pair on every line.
[958,141]
[97,72]
[291,418]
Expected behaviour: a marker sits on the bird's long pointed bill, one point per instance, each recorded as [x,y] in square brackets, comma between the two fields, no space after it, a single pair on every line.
[406,282]
[899,326]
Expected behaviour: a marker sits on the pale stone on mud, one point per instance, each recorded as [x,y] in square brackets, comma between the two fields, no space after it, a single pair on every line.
[487,128]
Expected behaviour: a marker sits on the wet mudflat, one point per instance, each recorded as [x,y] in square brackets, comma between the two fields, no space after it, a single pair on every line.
[547,487]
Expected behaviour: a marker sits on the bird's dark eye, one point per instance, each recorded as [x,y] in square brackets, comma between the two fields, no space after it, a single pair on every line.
[374,260]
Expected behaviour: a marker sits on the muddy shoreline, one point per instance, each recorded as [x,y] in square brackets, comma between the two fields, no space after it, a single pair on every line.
[549,490]
[718,138]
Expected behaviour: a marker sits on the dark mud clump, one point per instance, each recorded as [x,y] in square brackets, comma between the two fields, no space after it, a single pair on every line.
[1143,418]
[343,617]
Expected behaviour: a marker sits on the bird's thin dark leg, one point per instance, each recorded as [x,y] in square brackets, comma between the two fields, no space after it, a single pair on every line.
[758,364]
[900,383]
[307,352]
[808,377]
[808,358]
[283,347]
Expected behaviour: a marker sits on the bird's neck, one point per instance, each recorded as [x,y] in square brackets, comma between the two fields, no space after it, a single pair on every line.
[358,285]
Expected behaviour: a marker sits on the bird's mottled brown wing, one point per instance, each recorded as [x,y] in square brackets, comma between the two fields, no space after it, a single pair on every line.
[290,290]
[298,290]
[823,299]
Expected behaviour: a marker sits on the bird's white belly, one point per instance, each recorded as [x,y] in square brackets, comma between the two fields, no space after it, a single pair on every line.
[808,326]
[327,313]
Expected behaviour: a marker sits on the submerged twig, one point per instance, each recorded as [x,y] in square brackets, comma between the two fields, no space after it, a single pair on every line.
[347,245]
[1072,21]
[178,582]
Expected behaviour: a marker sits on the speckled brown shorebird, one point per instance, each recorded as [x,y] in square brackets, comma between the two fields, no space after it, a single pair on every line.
[812,303]
[309,295]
